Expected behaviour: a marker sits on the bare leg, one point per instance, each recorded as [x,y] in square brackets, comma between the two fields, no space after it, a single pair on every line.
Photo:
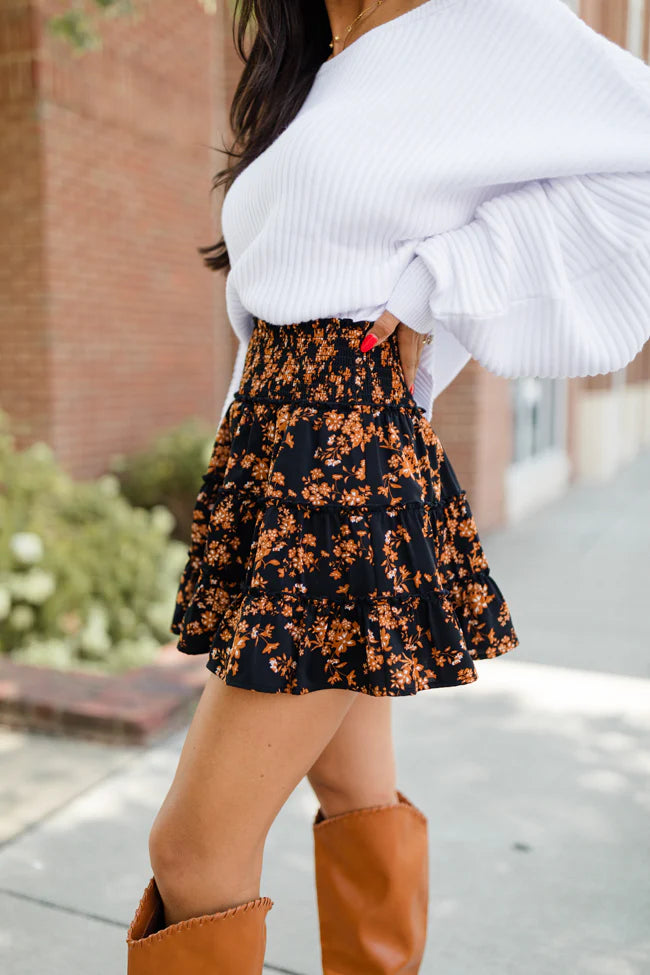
[357,767]
[244,754]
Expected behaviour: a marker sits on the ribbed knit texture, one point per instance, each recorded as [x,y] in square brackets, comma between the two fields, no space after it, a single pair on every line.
[481,168]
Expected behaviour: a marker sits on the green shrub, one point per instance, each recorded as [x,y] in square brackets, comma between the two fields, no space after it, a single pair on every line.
[168,472]
[86,579]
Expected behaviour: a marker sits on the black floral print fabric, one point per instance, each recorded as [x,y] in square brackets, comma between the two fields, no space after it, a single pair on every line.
[332,545]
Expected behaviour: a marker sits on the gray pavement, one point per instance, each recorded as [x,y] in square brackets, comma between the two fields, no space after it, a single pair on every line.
[535,780]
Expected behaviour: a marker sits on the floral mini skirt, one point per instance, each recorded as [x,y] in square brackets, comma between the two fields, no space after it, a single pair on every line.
[331,543]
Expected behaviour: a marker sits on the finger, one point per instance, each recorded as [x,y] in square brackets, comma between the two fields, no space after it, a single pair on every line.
[409,345]
[379,331]
[409,368]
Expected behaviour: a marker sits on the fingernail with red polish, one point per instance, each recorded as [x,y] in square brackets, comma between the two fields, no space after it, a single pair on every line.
[369,342]
[412,388]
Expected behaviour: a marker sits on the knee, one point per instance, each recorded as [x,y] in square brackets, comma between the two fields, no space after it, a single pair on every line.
[200,873]
[174,852]
[338,793]
[183,851]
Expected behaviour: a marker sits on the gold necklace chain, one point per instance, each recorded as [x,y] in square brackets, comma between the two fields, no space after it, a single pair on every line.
[336,37]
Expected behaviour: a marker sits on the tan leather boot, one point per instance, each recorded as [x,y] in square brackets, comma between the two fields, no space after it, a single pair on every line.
[372,886]
[230,942]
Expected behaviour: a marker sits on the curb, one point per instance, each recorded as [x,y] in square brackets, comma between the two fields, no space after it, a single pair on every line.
[136,707]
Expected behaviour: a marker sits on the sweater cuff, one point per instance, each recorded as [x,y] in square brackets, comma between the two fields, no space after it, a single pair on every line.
[409,299]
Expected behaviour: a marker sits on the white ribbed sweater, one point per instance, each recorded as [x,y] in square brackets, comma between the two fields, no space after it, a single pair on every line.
[481,168]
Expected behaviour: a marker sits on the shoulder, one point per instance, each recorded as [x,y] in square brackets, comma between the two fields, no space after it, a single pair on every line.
[536,23]
[509,24]
[537,39]
[541,14]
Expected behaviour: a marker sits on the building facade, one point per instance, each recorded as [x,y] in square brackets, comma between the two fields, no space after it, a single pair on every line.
[111,329]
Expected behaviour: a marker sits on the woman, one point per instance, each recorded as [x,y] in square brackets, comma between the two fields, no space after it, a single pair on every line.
[480,170]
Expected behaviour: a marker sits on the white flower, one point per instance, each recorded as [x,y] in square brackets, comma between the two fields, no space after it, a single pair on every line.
[34,586]
[40,451]
[162,520]
[173,560]
[44,652]
[26,547]
[94,638]
[21,617]
[159,616]
[109,485]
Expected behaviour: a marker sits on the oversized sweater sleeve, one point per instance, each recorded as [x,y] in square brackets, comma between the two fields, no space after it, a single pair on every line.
[551,277]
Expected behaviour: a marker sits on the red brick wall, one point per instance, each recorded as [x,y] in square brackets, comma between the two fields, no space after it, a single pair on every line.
[25,388]
[131,321]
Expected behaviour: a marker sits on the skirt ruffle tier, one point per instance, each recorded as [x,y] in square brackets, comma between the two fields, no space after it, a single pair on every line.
[332,545]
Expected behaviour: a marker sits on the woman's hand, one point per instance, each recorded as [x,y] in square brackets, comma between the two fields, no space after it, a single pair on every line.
[409,342]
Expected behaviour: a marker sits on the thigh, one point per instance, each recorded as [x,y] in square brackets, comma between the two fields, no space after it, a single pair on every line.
[357,766]
[244,753]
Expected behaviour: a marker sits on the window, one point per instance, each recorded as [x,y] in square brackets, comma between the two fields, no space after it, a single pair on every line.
[538,416]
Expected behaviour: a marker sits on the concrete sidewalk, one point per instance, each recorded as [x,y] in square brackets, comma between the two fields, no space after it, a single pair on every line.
[534,779]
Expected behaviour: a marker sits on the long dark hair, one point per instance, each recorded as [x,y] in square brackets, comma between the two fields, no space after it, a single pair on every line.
[290,43]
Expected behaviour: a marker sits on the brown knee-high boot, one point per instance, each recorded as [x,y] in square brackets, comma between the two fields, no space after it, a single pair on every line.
[372,886]
[230,942]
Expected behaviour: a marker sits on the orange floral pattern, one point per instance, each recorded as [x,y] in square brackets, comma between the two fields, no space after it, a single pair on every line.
[332,545]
